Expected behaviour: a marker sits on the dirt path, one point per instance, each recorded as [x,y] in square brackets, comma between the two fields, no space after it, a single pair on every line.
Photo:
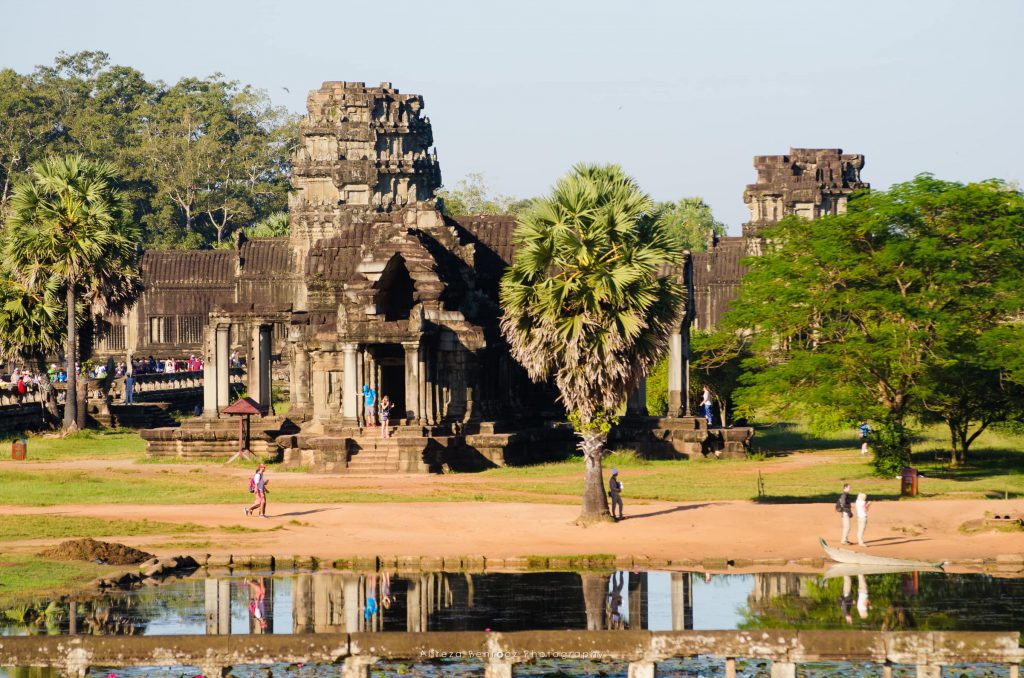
[695,530]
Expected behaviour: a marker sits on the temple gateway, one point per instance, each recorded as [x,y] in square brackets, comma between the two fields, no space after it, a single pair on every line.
[376,285]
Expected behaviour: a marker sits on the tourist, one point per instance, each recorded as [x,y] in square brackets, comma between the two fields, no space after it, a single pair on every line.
[615,620]
[846,600]
[862,516]
[385,590]
[235,360]
[129,383]
[706,404]
[370,402]
[21,389]
[843,507]
[258,602]
[258,486]
[615,491]
[385,416]
[371,597]
[863,604]
[865,431]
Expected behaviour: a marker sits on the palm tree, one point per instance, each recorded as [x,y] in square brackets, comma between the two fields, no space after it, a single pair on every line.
[584,302]
[68,223]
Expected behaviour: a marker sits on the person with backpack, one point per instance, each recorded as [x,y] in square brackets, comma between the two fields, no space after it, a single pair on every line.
[258,486]
[615,492]
[843,507]
[370,403]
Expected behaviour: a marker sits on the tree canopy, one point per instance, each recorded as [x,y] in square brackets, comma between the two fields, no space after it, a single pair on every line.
[472,195]
[196,160]
[873,313]
[69,229]
[691,222]
[585,302]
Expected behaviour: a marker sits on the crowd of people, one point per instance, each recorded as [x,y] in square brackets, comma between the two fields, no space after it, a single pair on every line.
[22,381]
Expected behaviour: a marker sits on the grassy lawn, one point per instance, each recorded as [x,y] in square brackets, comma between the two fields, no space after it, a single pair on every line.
[58,527]
[793,466]
[82,445]
[22,575]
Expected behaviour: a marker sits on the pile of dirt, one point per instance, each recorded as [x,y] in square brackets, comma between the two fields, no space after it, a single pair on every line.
[90,549]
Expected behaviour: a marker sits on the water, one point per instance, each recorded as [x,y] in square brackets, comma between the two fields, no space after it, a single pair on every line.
[659,601]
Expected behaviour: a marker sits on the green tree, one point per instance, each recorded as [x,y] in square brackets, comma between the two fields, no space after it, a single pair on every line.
[69,226]
[847,314]
[692,223]
[717,362]
[472,195]
[584,303]
[272,226]
[30,319]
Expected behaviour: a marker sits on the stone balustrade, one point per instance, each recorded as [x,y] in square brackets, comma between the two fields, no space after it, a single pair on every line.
[785,649]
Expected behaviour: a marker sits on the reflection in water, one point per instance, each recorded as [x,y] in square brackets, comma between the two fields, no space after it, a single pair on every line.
[448,601]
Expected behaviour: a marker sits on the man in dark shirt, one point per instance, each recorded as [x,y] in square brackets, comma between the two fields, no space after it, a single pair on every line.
[843,506]
[615,491]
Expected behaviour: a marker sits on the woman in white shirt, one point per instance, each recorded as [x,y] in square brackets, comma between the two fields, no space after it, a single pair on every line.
[861,508]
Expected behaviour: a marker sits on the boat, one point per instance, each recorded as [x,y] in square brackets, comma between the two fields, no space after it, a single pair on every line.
[851,570]
[857,558]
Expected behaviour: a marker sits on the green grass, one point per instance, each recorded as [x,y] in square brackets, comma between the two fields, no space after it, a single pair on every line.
[82,445]
[18,527]
[23,575]
[995,469]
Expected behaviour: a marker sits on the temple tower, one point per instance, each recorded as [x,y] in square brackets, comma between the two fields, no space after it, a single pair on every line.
[362,150]
[809,182]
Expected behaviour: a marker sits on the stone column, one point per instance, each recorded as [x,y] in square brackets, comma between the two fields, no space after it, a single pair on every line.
[499,668]
[223,366]
[682,601]
[730,667]
[429,393]
[351,600]
[357,666]
[218,607]
[688,318]
[412,380]
[300,375]
[361,378]
[349,397]
[265,353]
[641,669]
[781,669]
[636,403]
[254,376]
[413,605]
[675,374]
[209,375]
[320,410]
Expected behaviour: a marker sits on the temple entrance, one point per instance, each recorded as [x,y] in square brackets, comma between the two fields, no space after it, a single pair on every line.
[391,362]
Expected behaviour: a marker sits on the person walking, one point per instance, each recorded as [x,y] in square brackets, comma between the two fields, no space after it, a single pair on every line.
[861,505]
[706,404]
[615,492]
[385,416]
[258,486]
[865,431]
[843,506]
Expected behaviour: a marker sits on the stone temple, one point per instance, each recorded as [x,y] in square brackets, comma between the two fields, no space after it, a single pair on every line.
[375,285]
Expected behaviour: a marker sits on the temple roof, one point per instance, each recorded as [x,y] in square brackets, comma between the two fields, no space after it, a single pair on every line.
[492,231]
[188,267]
[261,256]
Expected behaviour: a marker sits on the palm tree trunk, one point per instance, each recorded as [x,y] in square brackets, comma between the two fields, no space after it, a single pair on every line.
[71,351]
[595,501]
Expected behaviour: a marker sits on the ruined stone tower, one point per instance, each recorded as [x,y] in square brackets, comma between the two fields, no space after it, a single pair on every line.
[362,150]
[809,182]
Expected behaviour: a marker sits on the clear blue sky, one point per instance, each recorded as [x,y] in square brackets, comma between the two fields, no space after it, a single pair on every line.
[682,94]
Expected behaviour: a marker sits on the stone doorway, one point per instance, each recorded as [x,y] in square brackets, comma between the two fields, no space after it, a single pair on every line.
[390,359]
